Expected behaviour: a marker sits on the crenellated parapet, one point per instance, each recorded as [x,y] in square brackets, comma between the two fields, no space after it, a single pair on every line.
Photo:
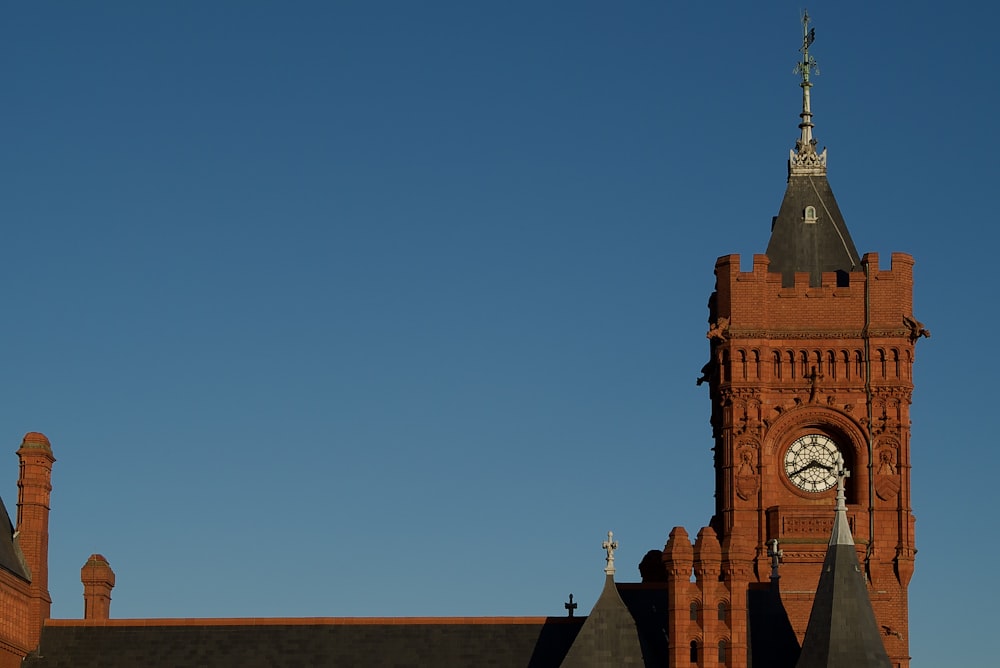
[755,305]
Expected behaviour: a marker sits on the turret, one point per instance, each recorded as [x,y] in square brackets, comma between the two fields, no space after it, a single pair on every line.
[34,488]
[842,631]
[98,580]
[684,606]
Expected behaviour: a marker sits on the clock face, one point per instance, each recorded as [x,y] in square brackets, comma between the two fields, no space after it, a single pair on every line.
[811,463]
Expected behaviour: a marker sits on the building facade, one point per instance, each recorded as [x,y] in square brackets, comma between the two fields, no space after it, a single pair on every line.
[811,353]
[810,375]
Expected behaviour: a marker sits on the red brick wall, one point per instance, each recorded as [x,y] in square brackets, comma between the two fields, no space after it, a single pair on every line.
[25,605]
[786,362]
[14,619]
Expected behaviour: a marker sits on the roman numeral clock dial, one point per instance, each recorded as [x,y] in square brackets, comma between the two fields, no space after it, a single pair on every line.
[811,463]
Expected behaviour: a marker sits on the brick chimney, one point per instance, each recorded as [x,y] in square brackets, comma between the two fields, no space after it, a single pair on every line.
[98,581]
[34,487]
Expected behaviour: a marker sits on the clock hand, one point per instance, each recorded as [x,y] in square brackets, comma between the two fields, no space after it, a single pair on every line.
[809,466]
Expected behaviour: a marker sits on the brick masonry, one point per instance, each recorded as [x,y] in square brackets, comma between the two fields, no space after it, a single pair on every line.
[786,362]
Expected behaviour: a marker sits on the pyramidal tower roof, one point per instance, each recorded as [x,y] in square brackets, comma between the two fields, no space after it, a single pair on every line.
[809,234]
[609,637]
[842,632]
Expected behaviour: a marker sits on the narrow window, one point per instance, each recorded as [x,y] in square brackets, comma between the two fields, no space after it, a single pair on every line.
[831,364]
[881,361]
[694,651]
[791,364]
[847,364]
[743,363]
[809,215]
[694,611]
[756,364]
[722,651]
[722,611]
[859,365]
[895,363]
[777,365]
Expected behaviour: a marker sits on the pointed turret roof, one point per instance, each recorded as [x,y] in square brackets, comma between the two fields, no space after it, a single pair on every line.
[809,233]
[609,637]
[842,632]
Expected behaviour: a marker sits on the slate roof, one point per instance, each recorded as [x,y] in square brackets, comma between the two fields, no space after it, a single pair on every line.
[800,246]
[609,637]
[842,632]
[772,639]
[627,627]
[11,558]
[247,643]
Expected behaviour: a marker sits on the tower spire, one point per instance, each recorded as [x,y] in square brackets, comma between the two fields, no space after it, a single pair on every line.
[804,160]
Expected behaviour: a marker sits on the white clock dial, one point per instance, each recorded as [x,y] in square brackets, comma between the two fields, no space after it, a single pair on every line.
[811,463]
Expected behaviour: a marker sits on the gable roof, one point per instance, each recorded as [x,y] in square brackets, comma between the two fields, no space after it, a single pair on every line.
[628,624]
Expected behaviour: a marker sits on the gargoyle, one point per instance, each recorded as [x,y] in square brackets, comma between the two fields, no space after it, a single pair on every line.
[916,328]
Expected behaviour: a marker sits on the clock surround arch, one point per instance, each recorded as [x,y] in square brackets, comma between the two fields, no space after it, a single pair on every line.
[846,433]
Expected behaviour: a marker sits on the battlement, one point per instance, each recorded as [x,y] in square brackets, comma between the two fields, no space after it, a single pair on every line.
[756,301]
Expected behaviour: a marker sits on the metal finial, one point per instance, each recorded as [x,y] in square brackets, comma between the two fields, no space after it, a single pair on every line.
[776,555]
[610,545]
[571,606]
[804,160]
[808,64]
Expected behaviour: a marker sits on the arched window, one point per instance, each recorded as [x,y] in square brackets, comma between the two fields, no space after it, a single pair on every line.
[859,364]
[756,364]
[694,651]
[831,364]
[881,361]
[743,363]
[722,651]
[809,215]
[791,364]
[804,356]
[694,611]
[895,362]
[847,364]
[722,611]
[727,372]
[777,365]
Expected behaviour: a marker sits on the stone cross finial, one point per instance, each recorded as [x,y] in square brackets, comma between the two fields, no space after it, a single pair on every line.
[610,545]
[571,606]
[776,555]
[842,475]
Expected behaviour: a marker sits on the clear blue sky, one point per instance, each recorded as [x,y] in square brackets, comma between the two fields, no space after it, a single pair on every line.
[395,308]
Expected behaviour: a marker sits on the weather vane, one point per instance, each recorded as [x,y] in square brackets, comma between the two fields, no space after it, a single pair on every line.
[808,63]
[804,160]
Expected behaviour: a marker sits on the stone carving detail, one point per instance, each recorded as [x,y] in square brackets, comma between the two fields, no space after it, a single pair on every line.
[807,161]
[718,330]
[746,412]
[916,328]
[887,482]
[747,479]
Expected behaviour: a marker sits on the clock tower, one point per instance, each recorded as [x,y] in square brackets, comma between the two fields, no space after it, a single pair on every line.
[811,358]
